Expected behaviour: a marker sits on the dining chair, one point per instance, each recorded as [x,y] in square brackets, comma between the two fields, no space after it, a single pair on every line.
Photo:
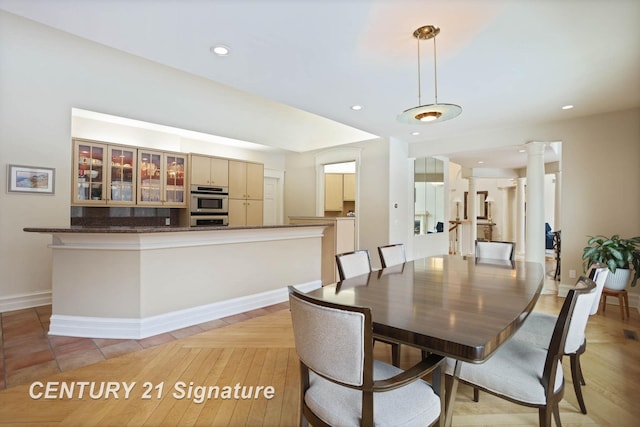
[537,329]
[340,382]
[495,250]
[524,373]
[392,255]
[356,263]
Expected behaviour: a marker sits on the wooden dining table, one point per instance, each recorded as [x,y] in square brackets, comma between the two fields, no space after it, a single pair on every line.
[455,306]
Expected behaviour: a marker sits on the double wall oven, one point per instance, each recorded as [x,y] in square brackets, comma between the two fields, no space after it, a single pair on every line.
[209,205]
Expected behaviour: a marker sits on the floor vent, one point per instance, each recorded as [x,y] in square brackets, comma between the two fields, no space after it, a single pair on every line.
[630,335]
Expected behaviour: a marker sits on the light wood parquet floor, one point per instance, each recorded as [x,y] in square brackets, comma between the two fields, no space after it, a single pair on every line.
[260,352]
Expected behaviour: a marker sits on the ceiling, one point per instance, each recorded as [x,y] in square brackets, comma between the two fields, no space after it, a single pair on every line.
[507,63]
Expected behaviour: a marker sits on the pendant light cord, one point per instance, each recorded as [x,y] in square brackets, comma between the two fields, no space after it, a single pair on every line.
[435,70]
[419,83]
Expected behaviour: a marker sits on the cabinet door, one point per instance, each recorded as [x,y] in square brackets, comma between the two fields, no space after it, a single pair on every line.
[150,173]
[255,181]
[121,176]
[237,212]
[89,173]
[237,180]
[174,184]
[255,212]
[220,172]
[200,170]
[349,187]
[333,192]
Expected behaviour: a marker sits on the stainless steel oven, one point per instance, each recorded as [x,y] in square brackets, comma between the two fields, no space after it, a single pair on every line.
[209,220]
[209,200]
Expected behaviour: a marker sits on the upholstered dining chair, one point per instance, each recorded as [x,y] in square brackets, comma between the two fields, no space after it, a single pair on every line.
[341,383]
[537,329]
[356,263]
[495,250]
[524,373]
[392,255]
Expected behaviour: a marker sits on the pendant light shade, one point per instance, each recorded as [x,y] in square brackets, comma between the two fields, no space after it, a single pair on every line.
[430,113]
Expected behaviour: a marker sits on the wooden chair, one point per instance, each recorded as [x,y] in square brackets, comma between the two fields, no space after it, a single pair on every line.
[339,377]
[356,263]
[392,255]
[495,250]
[538,330]
[524,373]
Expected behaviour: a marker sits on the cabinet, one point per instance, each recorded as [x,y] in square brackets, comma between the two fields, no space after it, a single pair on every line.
[207,170]
[161,178]
[121,176]
[245,212]
[246,193]
[246,180]
[339,194]
[89,173]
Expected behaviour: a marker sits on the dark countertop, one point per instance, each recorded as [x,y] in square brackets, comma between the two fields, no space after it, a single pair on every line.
[165,229]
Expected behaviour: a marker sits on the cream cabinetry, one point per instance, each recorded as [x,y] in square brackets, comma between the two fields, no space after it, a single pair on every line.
[246,192]
[89,173]
[245,212]
[246,180]
[339,194]
[338,237]
[161,179]
[119,175]
[349,187]
[103,174]
[207,170]
[333,192]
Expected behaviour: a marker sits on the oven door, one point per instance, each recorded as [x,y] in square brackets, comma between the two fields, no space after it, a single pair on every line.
[209,220]
[209,203]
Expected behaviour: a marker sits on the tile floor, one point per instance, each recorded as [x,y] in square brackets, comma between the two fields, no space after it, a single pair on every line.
[28,352]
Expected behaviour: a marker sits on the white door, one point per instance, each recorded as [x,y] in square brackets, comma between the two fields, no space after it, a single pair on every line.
[271,202]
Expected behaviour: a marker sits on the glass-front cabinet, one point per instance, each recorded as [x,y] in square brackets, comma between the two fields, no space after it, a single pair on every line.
[162,178]
[122,175]
[89,173]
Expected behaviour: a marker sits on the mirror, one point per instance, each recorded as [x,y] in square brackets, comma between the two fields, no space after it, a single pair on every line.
[428,196]
[481,204]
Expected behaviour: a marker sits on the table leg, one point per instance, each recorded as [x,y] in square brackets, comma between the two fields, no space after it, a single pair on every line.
[451,395]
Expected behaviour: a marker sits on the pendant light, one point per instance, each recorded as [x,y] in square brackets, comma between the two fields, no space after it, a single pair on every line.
[430,113]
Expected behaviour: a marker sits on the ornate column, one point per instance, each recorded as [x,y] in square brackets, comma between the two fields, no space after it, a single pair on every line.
[472,214]
[520,200]
[535,235]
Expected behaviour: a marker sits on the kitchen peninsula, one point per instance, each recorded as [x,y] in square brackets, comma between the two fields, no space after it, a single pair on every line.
[135,282]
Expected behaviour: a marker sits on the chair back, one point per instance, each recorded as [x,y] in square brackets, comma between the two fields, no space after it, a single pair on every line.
[495,250]
[354,263]
[568,334]
[599,274]
[333,340]
[392,255]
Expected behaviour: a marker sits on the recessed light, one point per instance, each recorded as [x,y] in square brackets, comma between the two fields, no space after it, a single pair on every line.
[522,150]
[220,50]
[415,133]
[480,162]
[356,107]
[567,107]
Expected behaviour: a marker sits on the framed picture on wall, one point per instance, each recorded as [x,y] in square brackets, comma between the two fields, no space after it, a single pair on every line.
[30,179]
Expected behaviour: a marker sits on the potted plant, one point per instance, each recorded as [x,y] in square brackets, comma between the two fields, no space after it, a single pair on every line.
[616,253]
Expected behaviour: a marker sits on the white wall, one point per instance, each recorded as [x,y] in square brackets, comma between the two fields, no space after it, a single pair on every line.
[373,191]
[45,73]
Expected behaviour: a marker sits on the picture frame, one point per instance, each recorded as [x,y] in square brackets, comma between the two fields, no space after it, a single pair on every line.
[30,179]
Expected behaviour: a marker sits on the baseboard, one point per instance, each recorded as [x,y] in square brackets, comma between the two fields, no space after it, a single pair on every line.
[101,327]
[18,302]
